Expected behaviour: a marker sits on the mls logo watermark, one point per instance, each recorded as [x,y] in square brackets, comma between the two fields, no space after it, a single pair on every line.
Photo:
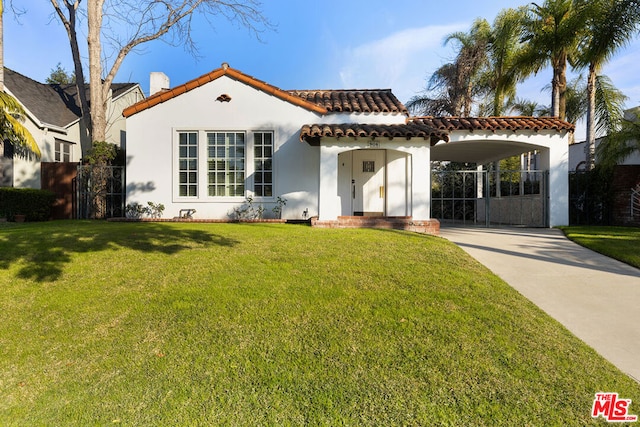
[612,408]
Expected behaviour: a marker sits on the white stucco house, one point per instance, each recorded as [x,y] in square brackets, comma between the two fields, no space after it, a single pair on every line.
[53,118]
[332,154]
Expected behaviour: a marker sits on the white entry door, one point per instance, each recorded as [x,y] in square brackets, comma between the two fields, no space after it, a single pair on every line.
[368,182]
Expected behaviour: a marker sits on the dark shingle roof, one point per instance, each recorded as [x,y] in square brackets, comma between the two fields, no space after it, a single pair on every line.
[52,104]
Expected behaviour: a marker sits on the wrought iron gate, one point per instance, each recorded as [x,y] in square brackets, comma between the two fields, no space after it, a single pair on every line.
[99,192]
[485,198]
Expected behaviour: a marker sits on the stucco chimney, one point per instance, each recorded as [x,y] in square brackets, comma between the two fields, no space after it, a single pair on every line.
[158,81]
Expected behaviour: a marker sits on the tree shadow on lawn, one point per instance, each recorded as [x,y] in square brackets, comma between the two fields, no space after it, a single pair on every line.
[46,250]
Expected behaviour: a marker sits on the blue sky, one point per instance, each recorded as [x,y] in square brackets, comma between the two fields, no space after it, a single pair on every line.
[332,44]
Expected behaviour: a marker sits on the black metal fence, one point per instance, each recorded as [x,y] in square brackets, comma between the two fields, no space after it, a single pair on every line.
[590,198]
[480,197]
[99,192]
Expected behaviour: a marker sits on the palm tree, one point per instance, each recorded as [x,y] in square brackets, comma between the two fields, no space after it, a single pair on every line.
[551,33]
[441,95]
[611,24]
[454,86]
[500,76]
[620,144]
[12,114]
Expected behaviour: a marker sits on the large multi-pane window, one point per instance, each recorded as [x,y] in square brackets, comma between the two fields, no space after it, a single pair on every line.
[226,168]
[263,162]
[188,164]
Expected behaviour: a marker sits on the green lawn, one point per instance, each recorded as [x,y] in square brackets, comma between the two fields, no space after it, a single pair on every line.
[622,243]
[252,324]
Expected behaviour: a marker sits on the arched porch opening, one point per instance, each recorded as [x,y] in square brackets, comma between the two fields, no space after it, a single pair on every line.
[497,180]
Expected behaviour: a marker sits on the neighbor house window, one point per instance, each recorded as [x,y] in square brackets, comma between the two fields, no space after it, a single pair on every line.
[63,151]
[226,168]
[188,164]
[263,161]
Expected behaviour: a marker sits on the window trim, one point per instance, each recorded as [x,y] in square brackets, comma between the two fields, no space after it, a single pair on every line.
[203,183]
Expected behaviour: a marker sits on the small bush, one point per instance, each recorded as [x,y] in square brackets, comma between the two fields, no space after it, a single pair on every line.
[137,211]
[34,204]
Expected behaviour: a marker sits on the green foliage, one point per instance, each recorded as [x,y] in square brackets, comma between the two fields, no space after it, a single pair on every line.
[227,324]
[248,211]
[101,153]
[35,204]
[136,210]
[277,209]
[60,76]
[12,129]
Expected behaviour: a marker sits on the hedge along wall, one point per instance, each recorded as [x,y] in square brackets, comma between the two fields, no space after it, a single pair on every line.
[34,204]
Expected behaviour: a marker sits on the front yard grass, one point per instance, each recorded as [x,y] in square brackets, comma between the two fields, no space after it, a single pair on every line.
[621,243]
[253,324]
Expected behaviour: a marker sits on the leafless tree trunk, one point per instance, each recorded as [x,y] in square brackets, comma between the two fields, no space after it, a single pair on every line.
[70,23]
[146,20]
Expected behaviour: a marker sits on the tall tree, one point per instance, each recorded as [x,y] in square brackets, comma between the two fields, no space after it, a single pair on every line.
[500,75]
[470,60]
[611,25]
[128,25]
[453,87]
[60,76]
[12,114]
[551,33]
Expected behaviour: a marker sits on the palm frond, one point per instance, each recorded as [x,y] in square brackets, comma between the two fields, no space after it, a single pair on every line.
[12,128]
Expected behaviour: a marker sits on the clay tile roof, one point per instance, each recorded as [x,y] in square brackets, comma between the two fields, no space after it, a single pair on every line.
[494,123]
[319,101]
[353,100]
[225,70]
[313,133]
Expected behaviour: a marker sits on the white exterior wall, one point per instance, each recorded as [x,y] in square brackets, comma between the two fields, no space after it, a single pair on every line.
[152,154]
[577,155]
[408,178]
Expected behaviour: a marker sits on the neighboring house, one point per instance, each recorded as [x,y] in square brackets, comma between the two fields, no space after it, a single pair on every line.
[332,154]
[578,150]
[53,118]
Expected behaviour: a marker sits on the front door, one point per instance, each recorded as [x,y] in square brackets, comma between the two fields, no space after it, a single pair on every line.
[368,182]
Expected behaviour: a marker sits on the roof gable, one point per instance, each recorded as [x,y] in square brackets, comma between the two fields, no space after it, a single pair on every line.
[225,70]
[52,104]
[319,101]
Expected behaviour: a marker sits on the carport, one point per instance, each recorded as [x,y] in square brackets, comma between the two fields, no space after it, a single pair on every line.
[537,193]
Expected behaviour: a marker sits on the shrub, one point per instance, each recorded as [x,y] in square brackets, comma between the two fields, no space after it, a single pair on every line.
[34,204]
[136,210]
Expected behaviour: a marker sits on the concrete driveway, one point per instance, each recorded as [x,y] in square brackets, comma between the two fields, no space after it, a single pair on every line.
[595,297]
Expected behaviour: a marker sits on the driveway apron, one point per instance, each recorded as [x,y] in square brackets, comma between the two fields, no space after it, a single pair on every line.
[597,298]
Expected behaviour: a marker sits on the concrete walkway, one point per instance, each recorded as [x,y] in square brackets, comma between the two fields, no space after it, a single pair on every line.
[595,297]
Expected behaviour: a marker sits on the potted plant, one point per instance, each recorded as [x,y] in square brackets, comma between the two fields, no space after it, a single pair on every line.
[19,217]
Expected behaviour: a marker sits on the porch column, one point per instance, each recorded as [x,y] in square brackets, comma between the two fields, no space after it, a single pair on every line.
[328,200]
[556,160]
[421,183]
